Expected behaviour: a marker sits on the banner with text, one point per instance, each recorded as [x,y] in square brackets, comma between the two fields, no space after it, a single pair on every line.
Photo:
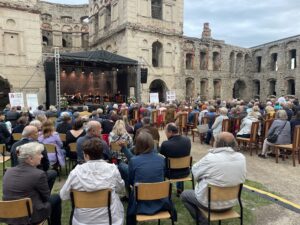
[16,99]
[154,98]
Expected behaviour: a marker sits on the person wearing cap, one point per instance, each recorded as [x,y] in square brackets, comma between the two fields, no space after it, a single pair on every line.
[223,167]
[26,181]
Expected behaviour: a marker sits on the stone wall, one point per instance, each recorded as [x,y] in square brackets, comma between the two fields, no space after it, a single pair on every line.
[20,48]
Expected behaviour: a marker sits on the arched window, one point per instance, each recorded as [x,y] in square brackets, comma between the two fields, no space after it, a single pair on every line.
[45,41]
[64,43]
[189,63]
[216,61]
[157,54]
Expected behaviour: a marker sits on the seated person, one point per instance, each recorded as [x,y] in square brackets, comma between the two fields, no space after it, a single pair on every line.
[119,133]
[146,167]
[95,174]
[223,167]
[26,181]
[175,147]
[245,129]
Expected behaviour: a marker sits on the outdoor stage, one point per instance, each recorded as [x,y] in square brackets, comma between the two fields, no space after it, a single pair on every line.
[93,77]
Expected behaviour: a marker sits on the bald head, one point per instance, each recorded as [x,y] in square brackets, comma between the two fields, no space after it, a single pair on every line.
[225,139]
[94,128]
[30,131]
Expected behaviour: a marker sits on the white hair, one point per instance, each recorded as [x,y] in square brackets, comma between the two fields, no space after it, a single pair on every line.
[29,150]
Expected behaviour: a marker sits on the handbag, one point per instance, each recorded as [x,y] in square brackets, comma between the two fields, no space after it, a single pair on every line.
[272,138]
[202,128]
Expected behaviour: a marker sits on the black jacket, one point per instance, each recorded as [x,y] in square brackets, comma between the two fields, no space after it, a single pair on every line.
[176,147]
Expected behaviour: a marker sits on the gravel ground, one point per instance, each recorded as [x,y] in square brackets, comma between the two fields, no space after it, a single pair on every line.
[281,178]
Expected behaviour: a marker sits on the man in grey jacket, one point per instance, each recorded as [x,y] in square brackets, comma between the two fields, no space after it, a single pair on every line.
[223,167]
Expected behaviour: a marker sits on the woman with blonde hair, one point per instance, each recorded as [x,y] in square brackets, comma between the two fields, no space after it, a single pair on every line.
[119,133]
[49,136]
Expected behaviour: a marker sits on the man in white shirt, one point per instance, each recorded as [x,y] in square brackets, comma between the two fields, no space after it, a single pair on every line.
[223,167]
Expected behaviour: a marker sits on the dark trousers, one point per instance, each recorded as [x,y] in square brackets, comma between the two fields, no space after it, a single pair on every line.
[51,175]
[55,216]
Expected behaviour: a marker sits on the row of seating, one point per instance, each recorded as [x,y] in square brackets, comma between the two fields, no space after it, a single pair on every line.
[143,192]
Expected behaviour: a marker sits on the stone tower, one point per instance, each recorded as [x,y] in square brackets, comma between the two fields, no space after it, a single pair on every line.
[149,31]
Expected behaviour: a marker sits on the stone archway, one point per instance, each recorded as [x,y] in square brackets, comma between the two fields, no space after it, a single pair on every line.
[159,87]
[4,90]
[239,89]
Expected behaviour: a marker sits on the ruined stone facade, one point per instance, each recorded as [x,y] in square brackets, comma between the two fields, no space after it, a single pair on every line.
[150,31]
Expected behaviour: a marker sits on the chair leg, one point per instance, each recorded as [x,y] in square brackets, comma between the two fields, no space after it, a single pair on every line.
[293,155]
[219,222]
[158,222]
[276,154]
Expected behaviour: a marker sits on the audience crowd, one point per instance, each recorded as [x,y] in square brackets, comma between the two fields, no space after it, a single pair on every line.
[140,159]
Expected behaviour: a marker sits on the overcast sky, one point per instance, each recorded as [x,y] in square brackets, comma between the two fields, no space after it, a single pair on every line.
[244,23]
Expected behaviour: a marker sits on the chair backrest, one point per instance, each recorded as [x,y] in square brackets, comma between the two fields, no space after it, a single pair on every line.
[154,116]
[16,208]
[115,147]
[62,137]
[95,199]
[51,148]
[163,113]
[17,136]
[225,125]
[267,125]
[152,191]
[216,193]
[136,114]
[195,122]
[254,131]
[180,163]
[73,147]
[2,149]
[296,138]
[183,119]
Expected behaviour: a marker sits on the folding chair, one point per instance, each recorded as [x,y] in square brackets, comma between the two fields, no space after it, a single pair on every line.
[154,116]
[17,209]
[51,148]
[194,124]
[294,147]
[16,136]
[150,192]
[73,151]
[253,140]
[90,200]
[180,163]
[222,194]
[4,158]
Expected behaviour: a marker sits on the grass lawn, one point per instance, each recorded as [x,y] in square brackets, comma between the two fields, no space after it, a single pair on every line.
[249,200]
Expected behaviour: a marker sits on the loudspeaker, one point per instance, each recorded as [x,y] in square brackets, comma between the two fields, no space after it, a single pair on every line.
[49,70]
[144,74]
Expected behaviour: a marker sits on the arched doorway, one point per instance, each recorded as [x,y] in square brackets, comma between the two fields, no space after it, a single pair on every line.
[159,86]
[239,89]
[4,90]
[189,85]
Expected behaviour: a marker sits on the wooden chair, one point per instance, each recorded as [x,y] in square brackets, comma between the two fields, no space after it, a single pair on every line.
[223,194]
[163,119]
[194,124]
[51,148]
[180,163]
[4,158]
[150,192]
[95,199]
[266,126]
[62,137]
[73,150]
[154,117]
[294,147]
[17,209]
[182,123]
[253,140]
[135,117]
[17,136]
[225,128]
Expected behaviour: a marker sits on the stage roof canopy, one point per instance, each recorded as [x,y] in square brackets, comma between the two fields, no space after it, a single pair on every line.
[99,56]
